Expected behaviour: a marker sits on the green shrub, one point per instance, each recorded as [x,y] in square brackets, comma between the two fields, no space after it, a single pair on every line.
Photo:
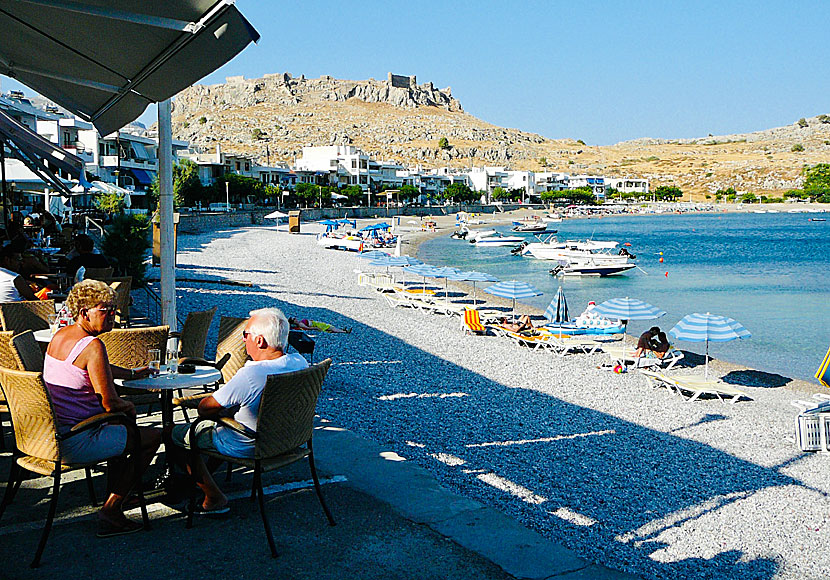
[126,241]
[202,120]
[802,122]
[797,148]
[257,134]
[444,143]
[824,119]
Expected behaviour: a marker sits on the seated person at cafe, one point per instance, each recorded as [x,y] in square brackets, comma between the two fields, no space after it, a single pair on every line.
[85,257]
[266,339]
[13,287]
[79,377]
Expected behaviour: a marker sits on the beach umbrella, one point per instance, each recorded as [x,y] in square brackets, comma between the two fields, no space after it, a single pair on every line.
[275,215]
[513,289]
[395,262]
[372,255]
[422,270]
[330,224]
[557,310]
[444,272]
[708,328]
[473,276]
[626,309]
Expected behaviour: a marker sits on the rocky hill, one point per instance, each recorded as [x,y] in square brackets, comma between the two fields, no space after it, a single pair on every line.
[399,119]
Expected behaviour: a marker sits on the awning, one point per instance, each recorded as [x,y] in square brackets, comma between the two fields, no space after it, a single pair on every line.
[142,176]
[107,61]
[42,157]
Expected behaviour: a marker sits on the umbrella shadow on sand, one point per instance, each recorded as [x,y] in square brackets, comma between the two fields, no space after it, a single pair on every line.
[753,378]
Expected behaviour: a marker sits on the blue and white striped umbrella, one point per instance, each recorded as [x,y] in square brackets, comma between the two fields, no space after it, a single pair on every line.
[513,289]
[395,262]
[557,310]
[708,328]
[445,272]
[473,276]
[628,309]
[423,270]
[372,255]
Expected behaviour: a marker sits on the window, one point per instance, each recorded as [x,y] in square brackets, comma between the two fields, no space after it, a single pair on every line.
[247,166]
[354,163]
[238,165]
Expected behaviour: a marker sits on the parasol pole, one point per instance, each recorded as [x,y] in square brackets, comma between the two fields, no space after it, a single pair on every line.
[168,249]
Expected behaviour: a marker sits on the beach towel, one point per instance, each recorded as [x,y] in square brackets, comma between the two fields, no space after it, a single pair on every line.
[821,374]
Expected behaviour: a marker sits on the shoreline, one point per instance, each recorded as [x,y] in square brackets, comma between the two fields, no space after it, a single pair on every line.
[624,474]
[446,226]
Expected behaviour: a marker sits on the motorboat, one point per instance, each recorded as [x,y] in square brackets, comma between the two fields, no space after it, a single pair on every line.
[537,227]
[591,268]
[461,233]
[473,235]
[550,248]
[491,238]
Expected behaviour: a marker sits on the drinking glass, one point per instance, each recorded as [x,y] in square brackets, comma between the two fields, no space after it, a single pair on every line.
[154,354]
[173,361]
[53,323]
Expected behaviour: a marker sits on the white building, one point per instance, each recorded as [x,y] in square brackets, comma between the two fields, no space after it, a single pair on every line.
[348,164]
[628,184]
[523,180]
[595,182]
[551,181]
[486,179]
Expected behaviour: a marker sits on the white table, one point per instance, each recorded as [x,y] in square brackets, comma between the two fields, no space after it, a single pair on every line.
[167,383]
[44,335]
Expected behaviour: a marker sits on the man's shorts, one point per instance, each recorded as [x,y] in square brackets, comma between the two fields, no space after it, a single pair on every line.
[204,435]
[94,445]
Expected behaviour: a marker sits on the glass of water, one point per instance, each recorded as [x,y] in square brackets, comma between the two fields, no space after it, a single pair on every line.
[154,356]
[173,361]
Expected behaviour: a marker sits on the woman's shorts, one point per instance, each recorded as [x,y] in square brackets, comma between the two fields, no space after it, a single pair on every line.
[97,444]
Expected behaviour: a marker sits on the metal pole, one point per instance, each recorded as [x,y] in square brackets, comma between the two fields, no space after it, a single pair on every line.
[227,196]
[6,211]
[168,249]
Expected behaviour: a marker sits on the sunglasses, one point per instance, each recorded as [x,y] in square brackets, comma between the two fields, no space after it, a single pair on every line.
[105,309]
[246,334]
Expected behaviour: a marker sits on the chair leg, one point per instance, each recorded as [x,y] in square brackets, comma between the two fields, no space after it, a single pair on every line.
[53,505]
[11,487]
[317,483]
[258,488]
[92,499]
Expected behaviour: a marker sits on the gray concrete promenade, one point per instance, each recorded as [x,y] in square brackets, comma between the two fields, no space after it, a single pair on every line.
[393,521]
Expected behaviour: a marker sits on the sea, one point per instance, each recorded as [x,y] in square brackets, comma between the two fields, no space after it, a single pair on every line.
[768,271]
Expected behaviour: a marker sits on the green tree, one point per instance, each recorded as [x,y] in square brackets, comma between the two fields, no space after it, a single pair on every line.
[239,189]
[667,192]
[543,161]
[578,196]
[409,192]
[126,240]
[817,180]
[354,193]
[443,143]
[749,198]
[111,203]
[307,192]
[460,192]
[500,194]
[187,188]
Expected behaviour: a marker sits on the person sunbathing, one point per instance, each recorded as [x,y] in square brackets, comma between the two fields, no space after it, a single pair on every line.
[306,324]
[524,324]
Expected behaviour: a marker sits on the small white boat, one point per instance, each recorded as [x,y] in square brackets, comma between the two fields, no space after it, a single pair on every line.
[537,227]
[590,268]
[494,239]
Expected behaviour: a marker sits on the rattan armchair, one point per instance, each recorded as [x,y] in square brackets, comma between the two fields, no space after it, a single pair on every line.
[38,442]
[27,352]
[127,347]
[103,274]
[26,315]
[122,286]
[7,360]
[285,427]
[194,333]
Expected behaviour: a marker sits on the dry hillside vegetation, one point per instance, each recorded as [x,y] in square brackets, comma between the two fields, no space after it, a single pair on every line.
[274,117]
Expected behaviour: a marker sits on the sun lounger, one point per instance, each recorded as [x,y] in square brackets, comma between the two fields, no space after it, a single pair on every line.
[693,386]
[621,354]
[472,322]
[546,340]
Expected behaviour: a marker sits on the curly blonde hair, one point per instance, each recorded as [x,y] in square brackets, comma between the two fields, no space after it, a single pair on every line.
[87,294]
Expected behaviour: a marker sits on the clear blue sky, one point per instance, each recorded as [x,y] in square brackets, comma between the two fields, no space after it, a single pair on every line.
[598,71]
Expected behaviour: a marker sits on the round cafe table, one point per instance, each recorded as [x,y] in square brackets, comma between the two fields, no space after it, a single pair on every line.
[167,383]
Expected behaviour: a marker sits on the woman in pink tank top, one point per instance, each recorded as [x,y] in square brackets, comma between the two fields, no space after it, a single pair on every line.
[80,380]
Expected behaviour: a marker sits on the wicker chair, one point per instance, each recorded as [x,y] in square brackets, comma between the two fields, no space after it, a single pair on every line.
[27,352]
[103,274]
[26,315]
[127,347]
[7,360]
[195,332]
[122,287]
[285,426]
[38,442]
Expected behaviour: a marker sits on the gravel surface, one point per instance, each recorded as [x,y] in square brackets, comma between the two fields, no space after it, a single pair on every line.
[626,475]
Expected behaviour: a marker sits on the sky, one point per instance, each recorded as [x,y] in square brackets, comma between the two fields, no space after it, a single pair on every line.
[602,72]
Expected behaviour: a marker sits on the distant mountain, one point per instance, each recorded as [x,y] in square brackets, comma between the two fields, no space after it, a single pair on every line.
[398,119]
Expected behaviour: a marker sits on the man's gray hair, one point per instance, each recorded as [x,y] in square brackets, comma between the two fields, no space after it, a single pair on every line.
[272,325]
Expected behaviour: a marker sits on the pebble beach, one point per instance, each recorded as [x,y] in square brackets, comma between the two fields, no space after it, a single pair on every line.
[624,474]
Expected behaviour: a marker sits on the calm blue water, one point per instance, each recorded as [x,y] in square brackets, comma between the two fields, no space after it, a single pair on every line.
[768,271]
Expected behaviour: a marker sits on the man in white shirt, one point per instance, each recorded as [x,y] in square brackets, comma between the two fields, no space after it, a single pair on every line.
[13,287]
[266,338]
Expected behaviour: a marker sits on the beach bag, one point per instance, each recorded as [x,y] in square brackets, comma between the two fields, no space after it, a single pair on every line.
[822,373]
